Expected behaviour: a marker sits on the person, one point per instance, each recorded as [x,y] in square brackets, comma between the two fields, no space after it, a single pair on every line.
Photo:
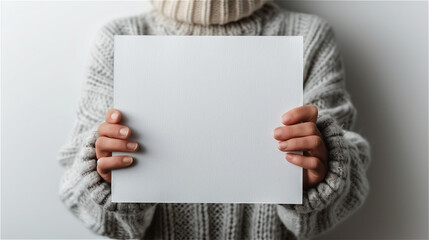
[334,162]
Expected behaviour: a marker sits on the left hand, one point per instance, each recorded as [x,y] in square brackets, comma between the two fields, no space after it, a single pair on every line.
[300,133]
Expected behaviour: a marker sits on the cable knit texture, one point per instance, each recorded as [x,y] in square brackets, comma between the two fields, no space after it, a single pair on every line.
[340,194]
[206,12]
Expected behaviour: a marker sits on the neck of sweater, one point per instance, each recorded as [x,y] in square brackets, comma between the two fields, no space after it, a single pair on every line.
[207,12]
[252,25]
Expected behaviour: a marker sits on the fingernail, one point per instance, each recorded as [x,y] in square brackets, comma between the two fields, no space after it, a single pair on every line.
[276,133]
[127,160]
[123,131]
[283,145]
[114,115]
[132,146]
[288,156]
[285,118]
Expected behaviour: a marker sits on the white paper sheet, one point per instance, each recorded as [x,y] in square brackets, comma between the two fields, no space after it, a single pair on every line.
[203,109]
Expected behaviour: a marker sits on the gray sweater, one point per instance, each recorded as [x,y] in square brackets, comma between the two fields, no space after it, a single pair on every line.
[340,194]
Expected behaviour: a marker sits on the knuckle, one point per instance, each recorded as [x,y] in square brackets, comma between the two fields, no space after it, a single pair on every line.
[97,143]
[100,142]
[315,164]
[314,110]
[100,128]
[313,128]
[100,165]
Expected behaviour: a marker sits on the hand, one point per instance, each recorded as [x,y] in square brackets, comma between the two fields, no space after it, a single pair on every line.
[300,133]
[113,139]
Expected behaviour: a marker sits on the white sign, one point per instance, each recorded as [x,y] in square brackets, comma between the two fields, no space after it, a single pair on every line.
[203,109]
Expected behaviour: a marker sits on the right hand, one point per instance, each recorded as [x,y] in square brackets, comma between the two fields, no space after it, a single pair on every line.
[113,138]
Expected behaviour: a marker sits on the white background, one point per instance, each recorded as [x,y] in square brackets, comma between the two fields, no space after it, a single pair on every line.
[45,48]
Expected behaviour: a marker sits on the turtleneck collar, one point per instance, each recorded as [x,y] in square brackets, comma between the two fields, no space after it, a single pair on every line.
[207,12]
[252,25]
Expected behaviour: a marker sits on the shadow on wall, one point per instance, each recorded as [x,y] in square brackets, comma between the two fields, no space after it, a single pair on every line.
[386,70]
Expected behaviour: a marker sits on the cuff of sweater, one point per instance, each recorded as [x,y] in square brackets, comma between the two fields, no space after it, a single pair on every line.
[323,194]
[87,187]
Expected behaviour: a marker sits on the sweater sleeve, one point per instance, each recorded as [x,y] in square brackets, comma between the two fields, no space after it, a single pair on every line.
[82,190]
[345,186]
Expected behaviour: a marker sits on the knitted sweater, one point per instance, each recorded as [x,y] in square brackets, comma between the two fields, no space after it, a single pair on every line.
[340,194]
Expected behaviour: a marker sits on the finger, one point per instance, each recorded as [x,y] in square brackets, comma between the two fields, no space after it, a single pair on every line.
[104,146]
[307,113]
[106,164]
[284,133]
[114,131]
[306,162]
[310,143]
[113,116]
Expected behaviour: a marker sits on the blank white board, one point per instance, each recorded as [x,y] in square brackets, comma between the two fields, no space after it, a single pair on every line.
[203,109]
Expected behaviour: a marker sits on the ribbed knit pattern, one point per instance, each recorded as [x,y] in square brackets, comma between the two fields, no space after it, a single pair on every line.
[342,192]
[206,12]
